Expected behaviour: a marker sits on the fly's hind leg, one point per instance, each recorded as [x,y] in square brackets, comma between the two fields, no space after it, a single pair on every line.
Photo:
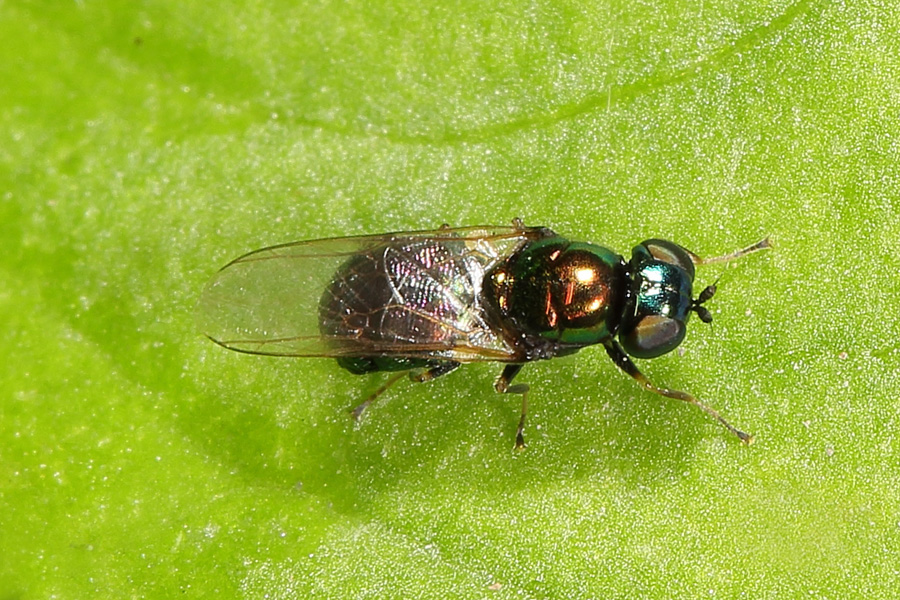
[502,385]
[617,354]
[441,368]
[359,410]
[438,369]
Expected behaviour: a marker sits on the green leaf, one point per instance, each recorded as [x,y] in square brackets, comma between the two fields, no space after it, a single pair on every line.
[146,144]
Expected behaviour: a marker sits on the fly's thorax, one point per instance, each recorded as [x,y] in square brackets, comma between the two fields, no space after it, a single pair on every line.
[568,293]
[659,300]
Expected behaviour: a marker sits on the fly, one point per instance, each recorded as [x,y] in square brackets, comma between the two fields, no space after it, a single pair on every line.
[425,302]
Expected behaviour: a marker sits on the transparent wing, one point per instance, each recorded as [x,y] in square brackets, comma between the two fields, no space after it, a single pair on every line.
[409,294]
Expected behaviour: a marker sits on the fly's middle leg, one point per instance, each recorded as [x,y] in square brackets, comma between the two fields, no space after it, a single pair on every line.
[502,385]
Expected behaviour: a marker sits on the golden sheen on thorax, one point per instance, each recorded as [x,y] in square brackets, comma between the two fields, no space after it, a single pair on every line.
[581,292]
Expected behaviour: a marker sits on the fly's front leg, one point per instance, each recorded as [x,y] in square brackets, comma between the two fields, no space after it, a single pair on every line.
[617,354]
[502,386]
[760,245]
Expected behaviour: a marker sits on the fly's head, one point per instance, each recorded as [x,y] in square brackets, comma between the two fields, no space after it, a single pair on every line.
[660,299]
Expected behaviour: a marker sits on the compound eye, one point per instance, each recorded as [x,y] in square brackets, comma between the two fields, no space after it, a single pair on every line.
[653,336]
[670,252]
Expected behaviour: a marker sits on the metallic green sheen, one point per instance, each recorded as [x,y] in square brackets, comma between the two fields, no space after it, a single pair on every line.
[610,258]
[665,291]
[585,336]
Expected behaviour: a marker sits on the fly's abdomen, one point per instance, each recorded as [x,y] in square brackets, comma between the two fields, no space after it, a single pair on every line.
[355,302]
[406,299]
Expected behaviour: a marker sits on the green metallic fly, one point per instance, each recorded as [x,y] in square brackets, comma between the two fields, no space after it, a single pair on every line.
[424,302]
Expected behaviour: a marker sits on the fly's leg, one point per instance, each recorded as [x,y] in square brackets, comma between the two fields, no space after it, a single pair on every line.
[710,290]
[436,371]
[502,386]
[617,354]
[760,245]
[359,410]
